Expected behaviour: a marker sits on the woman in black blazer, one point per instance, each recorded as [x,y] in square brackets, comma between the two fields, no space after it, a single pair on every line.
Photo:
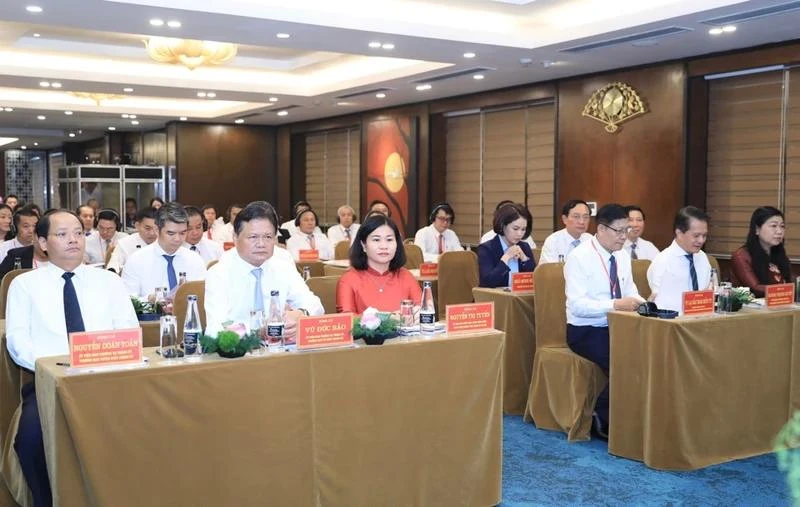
[506,253]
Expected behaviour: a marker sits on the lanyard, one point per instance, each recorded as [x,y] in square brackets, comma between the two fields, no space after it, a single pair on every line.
[611,283]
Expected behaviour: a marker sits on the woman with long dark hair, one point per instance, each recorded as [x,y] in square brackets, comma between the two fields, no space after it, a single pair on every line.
[762,260]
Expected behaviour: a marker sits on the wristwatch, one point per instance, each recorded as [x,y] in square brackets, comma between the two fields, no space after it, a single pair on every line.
[305,312]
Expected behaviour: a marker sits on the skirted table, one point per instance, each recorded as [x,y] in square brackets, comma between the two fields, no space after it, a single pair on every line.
[407,423]
[693,392]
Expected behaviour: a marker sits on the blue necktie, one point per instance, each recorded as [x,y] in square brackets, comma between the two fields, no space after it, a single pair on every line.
[633,251]
[575,243]
[616,291]
[72,310]
[258,296]
[692,271]
[173,280]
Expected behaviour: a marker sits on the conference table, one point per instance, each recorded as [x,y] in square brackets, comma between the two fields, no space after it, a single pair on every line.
[694,392]
[413,422]
[513,314]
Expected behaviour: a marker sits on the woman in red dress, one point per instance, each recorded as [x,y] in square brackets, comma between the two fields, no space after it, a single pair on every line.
[762,260]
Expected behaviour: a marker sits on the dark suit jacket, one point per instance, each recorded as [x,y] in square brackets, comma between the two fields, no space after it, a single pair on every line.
[25,253]
[493,271]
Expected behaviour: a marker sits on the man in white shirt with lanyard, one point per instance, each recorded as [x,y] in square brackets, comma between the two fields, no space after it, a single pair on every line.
[159,263]
[599,279]
[576,216]
[196,239]
[682,266]
[105,236]
[44,306]
[636,246]
[438,238]
[345,229]
[146,233]
[245,276]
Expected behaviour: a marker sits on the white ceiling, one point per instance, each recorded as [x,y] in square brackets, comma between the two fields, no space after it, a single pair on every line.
[97,46]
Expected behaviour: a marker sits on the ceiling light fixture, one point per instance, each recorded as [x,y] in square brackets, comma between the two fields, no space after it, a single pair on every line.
[127,90]
[423,87]
[71,134]
[23,147]
[282,35]
[273,99]
[68,113]
[36,144]
[211,95]
[44,84]
[189,52]
[380,95]
[715,31]
[388,45]
[132,116]
[478,76]
[112,128]
[238,121]
[548,63]
[41,117]
[283,113]
[183,118]
[156,22]
[375,45]
[174,24]
[33,9]
[729,29]
[202,95]
[55,85]
[125,115]
[37,35]
[469,55]
[134,122]
[8,109]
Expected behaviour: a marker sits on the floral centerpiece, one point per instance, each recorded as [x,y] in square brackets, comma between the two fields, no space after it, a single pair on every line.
[375,327]
[740,296]
[232,341]
[146,311]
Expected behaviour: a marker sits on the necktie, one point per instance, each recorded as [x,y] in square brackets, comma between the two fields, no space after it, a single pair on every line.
[347,233]
[633,251]
[441,243]
[575,243]
[692,271]
[616,291]
[311,242]
[258,296]
[72,310]
[193,248]
[173,280]
[107,244]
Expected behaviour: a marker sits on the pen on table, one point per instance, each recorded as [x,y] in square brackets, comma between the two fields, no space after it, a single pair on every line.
[62,364]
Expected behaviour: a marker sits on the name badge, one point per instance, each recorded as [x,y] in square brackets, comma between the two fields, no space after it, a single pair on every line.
[325,331]
[105,348]
[429,270]
[470,317]
[698,302]
[309,255]
[522,282]
[779,295]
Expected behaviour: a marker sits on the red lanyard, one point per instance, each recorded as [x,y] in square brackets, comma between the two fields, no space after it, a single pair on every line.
[611,283]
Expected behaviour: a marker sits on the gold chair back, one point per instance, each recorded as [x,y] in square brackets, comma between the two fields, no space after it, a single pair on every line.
[211,263]
[179,305]
[413,256]
[551,305]
[458,274]
[4,285]
[537,254]
[317,267]
[408,241]
[639,267]
[324,287]
[342,250]
[12,378]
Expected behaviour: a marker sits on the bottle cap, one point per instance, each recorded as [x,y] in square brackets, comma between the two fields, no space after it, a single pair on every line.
[273,293]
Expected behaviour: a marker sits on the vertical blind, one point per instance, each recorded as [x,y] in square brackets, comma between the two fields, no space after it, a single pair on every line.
[333,171]
[498,155]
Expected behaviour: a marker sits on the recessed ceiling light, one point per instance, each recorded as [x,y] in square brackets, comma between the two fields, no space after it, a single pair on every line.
[478,76]
[729,28]
[124,115]
[211,95]
[23,147]
[342,103]
[202,95]
[283,113]
[380,95]
[423,87]
[55,85]
[112,128]
[469,55]
[44,84]
[273,99]
[174,24]
[72,134]
[548,63]
[35,9]
[375,44]
[282,35]
[238,121]
[41,117]
[37,35]
[8,109]
[134,122]
[157,22]
[715,31]
[127,90]
[183,118]
[68,113]
[36,144]
[132,116]
[388,45]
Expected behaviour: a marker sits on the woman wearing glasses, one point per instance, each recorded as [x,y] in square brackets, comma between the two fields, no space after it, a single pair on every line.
[506,253]
[762,260]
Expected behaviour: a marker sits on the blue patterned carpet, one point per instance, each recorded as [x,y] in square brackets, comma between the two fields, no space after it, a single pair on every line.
[542,468]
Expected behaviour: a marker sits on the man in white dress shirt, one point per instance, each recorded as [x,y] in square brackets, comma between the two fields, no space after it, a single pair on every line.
[196,239]
[25,220]
[636,246]
[243,279]
[345,229]
[599,279]
[146,233]
[106,235]
[682,266]
[291,225]
[576,216]
[307,236]
[45,305]
[86,214]
[160,263]
[491,234]
[438,238]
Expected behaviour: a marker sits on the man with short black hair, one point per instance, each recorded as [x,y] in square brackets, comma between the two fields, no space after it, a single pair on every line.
[636,246]
[196,240]
[146,233]
[104,238]
[438,238]
[25,220]
[576,217]
[130,213]
[86,214]
[12,201]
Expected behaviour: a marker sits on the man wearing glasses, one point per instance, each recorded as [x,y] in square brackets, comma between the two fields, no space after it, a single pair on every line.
[575,215]
[598,280]
[438,237]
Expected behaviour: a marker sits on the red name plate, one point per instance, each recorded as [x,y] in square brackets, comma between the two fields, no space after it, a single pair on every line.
[522,282]
[470,317]
[781,294]
[228,245]
[699,302]
[309,255]
[105,348]
[429,269]
[325,331]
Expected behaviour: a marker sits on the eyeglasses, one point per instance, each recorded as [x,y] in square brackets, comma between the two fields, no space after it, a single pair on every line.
[254,239]
[619,232]
[580,218]
[446,220]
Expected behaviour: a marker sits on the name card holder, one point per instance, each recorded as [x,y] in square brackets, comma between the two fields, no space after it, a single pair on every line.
[429,270]
[95,349]
[522,282]
[698,302]
[470,317]
[309,255]
[779,295]
[325,331]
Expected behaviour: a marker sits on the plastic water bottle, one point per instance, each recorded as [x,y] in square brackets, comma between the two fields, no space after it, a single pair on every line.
[561,258]
[192,329]
[715,281]
[275,323]
[427,312]
[181,279]
[306,273]
[17,263]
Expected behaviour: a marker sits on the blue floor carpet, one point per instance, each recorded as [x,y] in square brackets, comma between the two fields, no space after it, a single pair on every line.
[542,468]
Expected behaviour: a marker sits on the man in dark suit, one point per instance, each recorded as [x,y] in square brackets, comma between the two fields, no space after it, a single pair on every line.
[506,253]
[30,256]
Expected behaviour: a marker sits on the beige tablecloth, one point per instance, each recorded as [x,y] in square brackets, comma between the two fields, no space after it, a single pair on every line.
[415,423]
[513,313]
[690,393]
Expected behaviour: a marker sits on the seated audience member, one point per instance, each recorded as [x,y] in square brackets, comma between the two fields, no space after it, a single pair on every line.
[599,279]
[159,263]
[290,225]
[507,253]
[376,276]
[25,220]
[156,203]
[576,216]
[130,213]
[243,279]
[30,257]
[94,204]
[44,306]
[438,238]
[307,236]
[345,229]
[146,233]
[682,266]
[636,246]
[491,234]
[380,207]
[6,219]
[86,214]
[196,239]
[226,231]
[762,260]
[105,237]
[12,201]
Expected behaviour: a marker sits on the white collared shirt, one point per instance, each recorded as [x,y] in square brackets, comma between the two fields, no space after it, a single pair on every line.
[427,239]
[147,269]
[491,234]
[669,276]
[230,288]
[209,250]
[588,283]
[560,243]
[124,249]
[289,226]
[644,249]
[96,247]
[336,233]
[35,324]
[5,246]
[300,241]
